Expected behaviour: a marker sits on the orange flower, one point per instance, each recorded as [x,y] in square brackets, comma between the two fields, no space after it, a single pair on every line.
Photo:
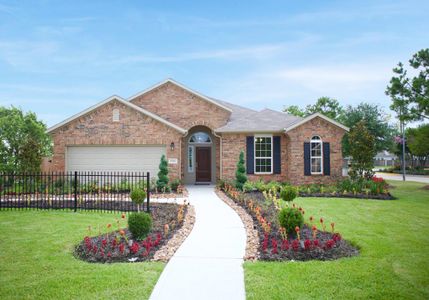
[122,232]
[311,218]
[297,229]
[321,220]
[123,216]
[109,225]
[314,228]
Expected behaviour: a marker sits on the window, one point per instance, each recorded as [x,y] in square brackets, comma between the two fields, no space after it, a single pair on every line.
[115,115]
[263,155]
[190,159]
[200,138]
[316,155]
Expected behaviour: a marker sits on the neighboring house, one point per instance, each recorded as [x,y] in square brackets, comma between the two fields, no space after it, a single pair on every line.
[385,158]
[201,137]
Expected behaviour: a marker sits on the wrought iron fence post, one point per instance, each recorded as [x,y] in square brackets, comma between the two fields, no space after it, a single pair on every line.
[148,192]
[75,191]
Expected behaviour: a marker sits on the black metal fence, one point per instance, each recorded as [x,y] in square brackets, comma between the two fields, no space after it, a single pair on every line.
[102,191]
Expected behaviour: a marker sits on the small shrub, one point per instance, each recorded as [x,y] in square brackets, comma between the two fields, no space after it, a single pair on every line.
[138,196]
[162,182]
[259,185]
[174,185]
[248,187]
[290,218]
[288,193]
[240,174]
[139,225]
[273,186]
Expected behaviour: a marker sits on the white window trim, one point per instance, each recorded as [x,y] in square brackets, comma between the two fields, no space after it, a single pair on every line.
[191,168]
[321,155]
[200,143]
[254,153]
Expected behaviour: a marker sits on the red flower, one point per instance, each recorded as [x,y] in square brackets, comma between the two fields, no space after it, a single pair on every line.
[109,254]
[336,237]
[285,245]
[295,245]
[314,228]
[134,248]
[307,244]
[316,243]
[104,242]
[329,244]
[274,246]
[122,247]
[297,229]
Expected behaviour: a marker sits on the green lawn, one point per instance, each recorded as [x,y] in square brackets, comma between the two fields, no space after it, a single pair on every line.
[394,260]
[36,260]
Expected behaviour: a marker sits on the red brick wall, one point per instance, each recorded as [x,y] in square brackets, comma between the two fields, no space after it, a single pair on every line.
[97,128]
[182,108]
[292,153]
[328,133]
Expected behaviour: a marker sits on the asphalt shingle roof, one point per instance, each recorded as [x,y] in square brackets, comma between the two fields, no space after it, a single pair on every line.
[248,120]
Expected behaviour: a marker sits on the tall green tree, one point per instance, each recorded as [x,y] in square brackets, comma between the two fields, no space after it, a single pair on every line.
[327,106]
[23,141]
[362,151]
[295,110]
[418,142]
[410,95]
[376,121]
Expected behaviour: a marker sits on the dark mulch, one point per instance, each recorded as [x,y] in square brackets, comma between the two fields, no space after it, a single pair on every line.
[114,247]
[326,246]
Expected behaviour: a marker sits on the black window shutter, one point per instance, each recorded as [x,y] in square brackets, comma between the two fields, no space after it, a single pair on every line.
[277,162]
[307,170]
[250,149]
[326,159]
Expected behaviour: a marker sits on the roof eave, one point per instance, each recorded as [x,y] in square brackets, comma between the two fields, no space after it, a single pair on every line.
[208,99]
[122,101]
[311,117]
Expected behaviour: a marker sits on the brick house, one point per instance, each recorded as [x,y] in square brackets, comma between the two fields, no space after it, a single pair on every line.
[201,137]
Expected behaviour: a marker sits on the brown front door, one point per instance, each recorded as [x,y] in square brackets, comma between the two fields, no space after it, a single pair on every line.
[203,164]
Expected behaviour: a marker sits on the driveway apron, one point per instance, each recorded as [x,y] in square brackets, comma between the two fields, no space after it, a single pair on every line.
[208,265]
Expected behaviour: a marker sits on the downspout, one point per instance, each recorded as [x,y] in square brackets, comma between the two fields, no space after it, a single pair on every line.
[220,153]
[180,156]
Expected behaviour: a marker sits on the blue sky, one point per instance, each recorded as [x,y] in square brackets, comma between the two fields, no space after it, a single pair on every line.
[59,57]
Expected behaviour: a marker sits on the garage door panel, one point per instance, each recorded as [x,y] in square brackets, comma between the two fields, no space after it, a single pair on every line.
[115,158]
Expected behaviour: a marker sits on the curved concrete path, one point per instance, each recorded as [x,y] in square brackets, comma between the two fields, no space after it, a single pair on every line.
[208,265]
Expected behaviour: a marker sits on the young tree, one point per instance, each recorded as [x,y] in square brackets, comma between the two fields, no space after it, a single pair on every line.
[376,121]
[410,95]
[240,174]
[362,150]
[23,141]
[162,182]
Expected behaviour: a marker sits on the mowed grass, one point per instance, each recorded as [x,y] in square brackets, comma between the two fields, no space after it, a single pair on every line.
[394,260]
[36,260]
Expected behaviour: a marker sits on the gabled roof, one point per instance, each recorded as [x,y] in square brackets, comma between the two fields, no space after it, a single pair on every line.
[169,80]
[266,120]
[124,102]
[311,117]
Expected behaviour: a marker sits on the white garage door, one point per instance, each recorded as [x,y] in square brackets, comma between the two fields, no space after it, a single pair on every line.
[115,158]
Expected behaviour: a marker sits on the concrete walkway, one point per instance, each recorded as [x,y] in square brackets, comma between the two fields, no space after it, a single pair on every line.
[208,265]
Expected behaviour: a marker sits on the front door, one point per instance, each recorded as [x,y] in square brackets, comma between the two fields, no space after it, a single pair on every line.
[203,160]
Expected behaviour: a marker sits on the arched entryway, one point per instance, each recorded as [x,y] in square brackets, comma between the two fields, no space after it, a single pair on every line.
[200,156]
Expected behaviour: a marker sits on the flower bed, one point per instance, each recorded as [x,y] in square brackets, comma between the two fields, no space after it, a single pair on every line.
[308,243]
[119,246]
[375,188]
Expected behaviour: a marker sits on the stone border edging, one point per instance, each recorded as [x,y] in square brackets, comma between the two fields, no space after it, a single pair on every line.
[252,236]
[167,251]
